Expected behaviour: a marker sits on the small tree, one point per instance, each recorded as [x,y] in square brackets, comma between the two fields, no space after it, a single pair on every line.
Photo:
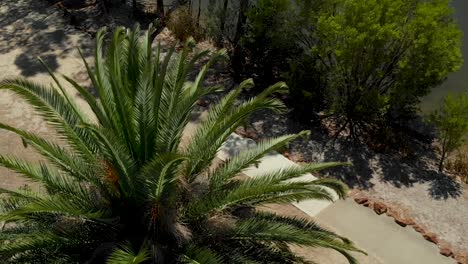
[376,58]
[451,121]
[269,38]
[260,35]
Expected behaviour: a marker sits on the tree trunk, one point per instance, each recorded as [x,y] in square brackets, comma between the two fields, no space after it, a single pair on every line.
[160,7]
[238,56]
[441,163]
[444,153]
[242,18]
[199,12]
[223,16]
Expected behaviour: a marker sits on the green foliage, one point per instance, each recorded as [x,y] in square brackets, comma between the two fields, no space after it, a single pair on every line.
[376,58]
[126,255]
[183,25]
[122,188]
[451,121]
[269,40]
[458,165]
[260,35]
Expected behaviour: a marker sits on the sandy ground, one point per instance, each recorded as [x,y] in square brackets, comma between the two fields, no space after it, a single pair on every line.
[29,29]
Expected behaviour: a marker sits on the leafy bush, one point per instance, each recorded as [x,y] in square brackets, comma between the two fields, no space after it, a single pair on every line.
[451,121]
[122,188]
[459,164]
[306,87]
[220,22]
[376,58]
[260,35]
[269,40]
[183,25]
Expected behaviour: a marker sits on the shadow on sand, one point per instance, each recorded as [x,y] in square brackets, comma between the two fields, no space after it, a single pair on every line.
[36,29]
[368,166]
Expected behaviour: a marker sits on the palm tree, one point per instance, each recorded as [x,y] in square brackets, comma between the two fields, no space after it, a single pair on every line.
[121,188]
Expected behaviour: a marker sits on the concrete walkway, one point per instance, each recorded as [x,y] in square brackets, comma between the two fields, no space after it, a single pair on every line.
[380,235]
[271,162]
[384,240]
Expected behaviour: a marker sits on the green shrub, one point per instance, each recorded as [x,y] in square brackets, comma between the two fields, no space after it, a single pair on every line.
[377,58]
[306,87]
[458,164]
[451,121]
[270,39]
[260,35]
[183,25]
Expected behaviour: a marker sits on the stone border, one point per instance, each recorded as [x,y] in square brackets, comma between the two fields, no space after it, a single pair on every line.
[402,218]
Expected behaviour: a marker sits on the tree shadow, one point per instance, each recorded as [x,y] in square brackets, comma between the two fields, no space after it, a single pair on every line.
[368,165]
[30,66]
[35,29]
[443,186]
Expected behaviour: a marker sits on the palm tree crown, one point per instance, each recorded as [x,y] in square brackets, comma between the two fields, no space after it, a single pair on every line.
[121,188]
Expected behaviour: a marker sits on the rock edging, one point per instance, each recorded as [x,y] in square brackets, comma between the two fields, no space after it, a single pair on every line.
[403,218]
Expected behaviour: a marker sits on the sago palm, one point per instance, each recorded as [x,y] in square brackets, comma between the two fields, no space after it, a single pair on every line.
[120,187]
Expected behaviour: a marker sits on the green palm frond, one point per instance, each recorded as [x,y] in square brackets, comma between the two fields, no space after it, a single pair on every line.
[210,137]
[279,186]
[52,205]
[126,255]
[57,155]
[247,158]
[162,175]
[24,242]
[305,224]
[121,175]
[259,252]
[69,101]
[55,109]
[24,168]
[200,255]
[254,193]
[277,232]
[94,104]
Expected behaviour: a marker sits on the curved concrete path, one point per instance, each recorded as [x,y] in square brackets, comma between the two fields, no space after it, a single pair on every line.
[384,240]
[379,235]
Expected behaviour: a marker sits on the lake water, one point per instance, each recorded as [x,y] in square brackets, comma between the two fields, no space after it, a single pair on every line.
[456,82]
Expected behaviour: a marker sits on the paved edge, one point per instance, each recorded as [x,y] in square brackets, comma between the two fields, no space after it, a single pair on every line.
[271,162]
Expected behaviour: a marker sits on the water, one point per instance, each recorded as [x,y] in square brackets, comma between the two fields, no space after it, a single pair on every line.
[456,82]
